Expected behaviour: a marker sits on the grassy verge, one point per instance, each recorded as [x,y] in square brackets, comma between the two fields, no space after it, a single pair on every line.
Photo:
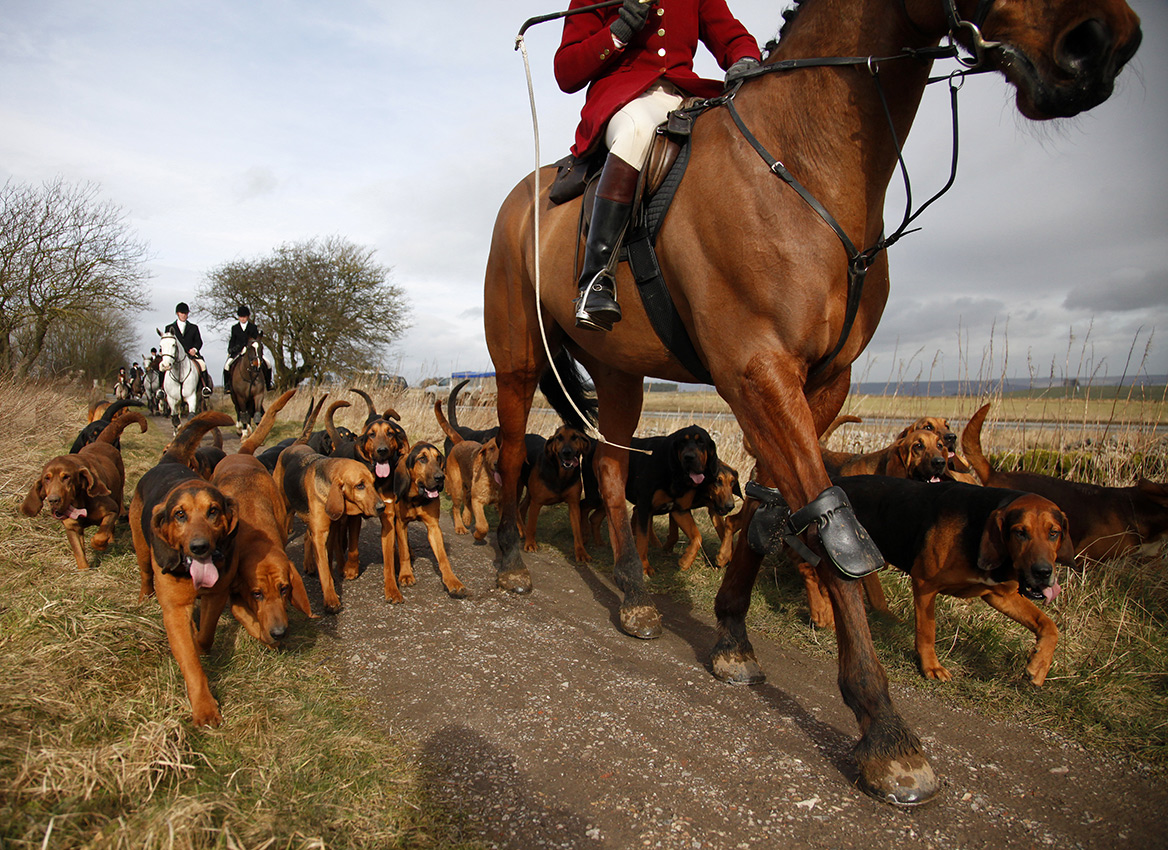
[95,746]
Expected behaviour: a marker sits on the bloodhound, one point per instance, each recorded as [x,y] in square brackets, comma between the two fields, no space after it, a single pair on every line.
[85,489]
[552,474]
[716,495]
[266,580]
[1001,546]
[472,477]
[418,480]
[325,492]
[1106,522]
[183,529]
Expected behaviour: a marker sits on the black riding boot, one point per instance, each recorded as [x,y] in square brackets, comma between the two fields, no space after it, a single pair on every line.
[208,388]
[596,306]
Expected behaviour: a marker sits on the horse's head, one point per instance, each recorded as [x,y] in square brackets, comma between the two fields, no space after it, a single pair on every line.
[170,353]
[255,352]
[1062,56]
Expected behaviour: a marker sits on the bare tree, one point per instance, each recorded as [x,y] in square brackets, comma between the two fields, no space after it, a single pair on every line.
[324,306]
[63,253]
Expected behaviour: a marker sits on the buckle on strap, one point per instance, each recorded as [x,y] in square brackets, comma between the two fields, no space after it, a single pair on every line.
[847,544]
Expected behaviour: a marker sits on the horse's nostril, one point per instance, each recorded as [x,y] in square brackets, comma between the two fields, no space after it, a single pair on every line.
[1084,47]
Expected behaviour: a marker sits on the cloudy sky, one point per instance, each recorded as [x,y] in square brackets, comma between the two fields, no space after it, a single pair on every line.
[225,129]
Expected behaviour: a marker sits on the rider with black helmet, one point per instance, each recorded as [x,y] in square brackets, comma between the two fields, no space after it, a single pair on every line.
[243,332]
[189,337]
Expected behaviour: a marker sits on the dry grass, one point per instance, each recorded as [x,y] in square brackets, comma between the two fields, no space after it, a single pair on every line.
[96,749]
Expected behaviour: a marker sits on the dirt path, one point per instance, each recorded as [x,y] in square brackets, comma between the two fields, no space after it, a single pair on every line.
[546,727]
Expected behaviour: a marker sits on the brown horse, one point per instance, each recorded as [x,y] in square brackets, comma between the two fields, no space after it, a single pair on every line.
[247,386]
[760,282]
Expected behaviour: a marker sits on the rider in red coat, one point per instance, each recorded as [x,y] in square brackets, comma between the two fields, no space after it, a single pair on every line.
[637,61]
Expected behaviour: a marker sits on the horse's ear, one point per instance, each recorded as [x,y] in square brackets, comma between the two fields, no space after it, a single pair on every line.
[157,331]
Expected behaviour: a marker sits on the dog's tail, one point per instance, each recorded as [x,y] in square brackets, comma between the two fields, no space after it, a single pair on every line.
[328,422]
[256,438]
[971,444]
[578,391]
[217,438]
[186,441]
[447,428]
[371,416]
[310,420]
[111,432]
[452,404]
[835,423]
[117,407]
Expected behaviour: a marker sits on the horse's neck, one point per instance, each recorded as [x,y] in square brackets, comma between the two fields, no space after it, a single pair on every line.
[834,118]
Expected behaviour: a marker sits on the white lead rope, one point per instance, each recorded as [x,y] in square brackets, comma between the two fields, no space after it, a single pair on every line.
[593,431]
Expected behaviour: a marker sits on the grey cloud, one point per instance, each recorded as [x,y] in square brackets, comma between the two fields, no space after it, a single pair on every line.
[1128,290]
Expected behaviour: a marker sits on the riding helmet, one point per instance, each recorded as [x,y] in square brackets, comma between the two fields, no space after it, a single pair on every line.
[182,307]
[243,311]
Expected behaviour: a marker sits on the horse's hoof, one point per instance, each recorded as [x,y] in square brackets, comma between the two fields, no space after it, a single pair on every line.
[737,667]
[640,621]
[904,780]
[514,580]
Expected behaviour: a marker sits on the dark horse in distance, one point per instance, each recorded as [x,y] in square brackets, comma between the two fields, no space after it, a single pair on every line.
[761,285]
[247,386]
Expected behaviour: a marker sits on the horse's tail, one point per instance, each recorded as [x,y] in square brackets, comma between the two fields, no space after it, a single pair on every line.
[186,441]
[575,390]
[329,427]
[372,415]
[971,444]
[452,402]
[310,420]
[835,423]
[111,432]
[256,438]
[447,428]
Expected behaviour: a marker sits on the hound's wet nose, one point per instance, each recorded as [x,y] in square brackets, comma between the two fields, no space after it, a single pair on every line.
[200,547]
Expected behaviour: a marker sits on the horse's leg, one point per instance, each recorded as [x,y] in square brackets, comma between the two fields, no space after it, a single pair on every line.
[515,391]
[619,397]
[778,420]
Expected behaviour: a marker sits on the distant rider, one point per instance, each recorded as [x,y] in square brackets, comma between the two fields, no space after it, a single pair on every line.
[188,336]
[243,332]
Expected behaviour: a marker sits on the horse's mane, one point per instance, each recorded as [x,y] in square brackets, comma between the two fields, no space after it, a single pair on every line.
[789,16]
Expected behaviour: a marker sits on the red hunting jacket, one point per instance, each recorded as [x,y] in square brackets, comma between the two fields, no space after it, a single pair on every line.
[663,50]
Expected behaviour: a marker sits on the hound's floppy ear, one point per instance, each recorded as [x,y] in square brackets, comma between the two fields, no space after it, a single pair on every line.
[1066,551]
[167,558]
[35,500]
[334,505]
[992,552]
[897,466]
[93,485]
[231,513]
[299,594]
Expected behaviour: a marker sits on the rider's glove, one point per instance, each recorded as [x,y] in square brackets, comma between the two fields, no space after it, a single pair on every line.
[740,69]
[633,15]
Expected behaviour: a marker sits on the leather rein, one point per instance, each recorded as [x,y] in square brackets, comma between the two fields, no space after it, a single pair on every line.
[860,261]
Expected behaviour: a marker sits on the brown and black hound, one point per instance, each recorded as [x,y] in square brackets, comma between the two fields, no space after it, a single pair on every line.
[958,469]
[472,477]
[920,455]
[668,479]
[1106,522]
[968,542]
[716,495]
[90,432]
[552,474]
[381,443]
[418,482]
[85,489]
[325,492]
[183,529]
[266,580]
